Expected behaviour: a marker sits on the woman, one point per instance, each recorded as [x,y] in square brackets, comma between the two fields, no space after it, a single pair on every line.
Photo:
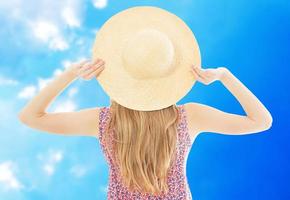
[146,150]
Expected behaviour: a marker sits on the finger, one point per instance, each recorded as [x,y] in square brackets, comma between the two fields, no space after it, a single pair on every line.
[197,71]
[207,80]
[201,78]
[81,63]
[195,76]
[94,68]
[96,61]
[95,72]
[209,74]
[89,70]
[205,74]
[198,78]
[78,65]
[86,67]
[100,63]
[193,72]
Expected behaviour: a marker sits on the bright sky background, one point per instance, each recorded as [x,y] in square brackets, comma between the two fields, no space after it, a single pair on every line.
[38,39]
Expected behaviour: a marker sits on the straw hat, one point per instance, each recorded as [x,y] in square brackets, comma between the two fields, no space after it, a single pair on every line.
[148,53]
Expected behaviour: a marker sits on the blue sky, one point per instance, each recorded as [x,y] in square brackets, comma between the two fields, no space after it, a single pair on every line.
[39,39]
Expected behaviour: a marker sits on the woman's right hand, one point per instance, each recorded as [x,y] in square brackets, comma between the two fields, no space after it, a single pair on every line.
[207,76]
[88,69]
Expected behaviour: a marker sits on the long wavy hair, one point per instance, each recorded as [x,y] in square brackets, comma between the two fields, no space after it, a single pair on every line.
[143,143]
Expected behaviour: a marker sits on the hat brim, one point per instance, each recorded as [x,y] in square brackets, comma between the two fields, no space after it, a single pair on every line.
[146,94]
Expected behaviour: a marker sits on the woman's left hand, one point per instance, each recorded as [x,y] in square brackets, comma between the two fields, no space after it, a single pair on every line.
[207,76]
[88,69]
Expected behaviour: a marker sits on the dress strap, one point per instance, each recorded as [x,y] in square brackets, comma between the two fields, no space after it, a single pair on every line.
[103,119]
[183,126]
[104,116]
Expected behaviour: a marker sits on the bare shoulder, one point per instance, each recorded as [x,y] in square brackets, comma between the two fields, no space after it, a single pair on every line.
[195,107]
[92,118]
[191,109]
[198,114]
[88,121]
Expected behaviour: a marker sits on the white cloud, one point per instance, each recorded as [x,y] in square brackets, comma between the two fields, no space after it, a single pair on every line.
[104,188]
[27,92]
[4,81]
[57,72]
[70,17]
[80,41]
[65,106]
[47,21]
[72,92]
[49,33]
[13,7]
[49,169]
[58,43]
[78,170]
[94,31]
[8,107]
[100,4]
[50,159]
[67,63]
[44,30]
[42,82]
[56,156]
[7,176]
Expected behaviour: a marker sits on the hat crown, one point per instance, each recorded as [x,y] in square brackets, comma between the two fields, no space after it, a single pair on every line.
[148,54]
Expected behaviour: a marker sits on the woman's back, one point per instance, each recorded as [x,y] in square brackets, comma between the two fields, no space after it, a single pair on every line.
[176,179]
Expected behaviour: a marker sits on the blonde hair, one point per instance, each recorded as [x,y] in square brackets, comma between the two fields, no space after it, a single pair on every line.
[144,145]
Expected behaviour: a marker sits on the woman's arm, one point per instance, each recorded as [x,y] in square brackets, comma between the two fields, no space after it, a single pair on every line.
[83,122]
[253,107]
[37,106]
[209,119]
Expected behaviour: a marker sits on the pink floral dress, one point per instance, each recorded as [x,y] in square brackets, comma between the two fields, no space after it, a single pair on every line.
[177,180]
